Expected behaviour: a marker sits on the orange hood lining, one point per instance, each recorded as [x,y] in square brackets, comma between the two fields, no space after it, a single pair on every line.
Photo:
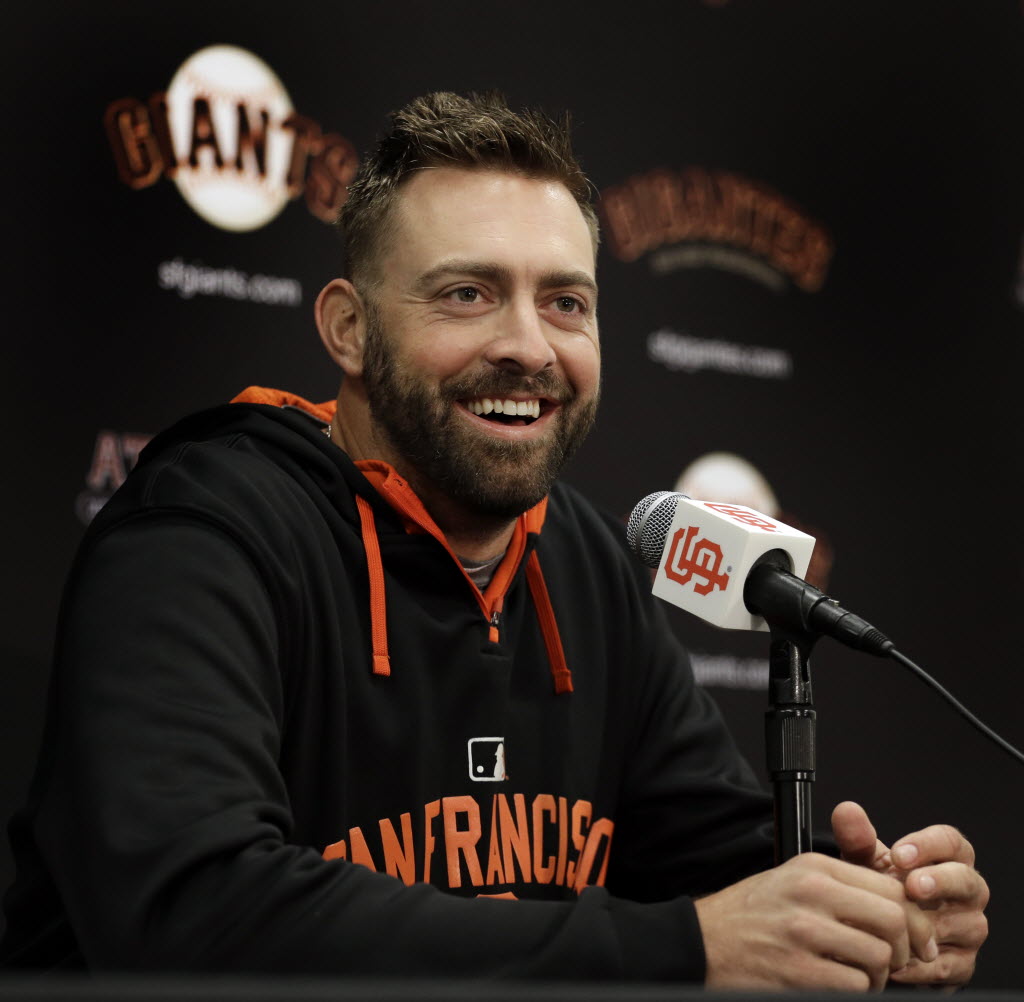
[282,398]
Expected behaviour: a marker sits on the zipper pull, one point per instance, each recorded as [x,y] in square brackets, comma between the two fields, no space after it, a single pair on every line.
[492,633]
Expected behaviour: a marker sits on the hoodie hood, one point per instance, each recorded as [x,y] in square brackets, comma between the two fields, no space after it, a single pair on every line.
[388,485]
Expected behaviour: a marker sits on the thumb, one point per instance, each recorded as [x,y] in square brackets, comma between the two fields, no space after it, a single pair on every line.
[856,836]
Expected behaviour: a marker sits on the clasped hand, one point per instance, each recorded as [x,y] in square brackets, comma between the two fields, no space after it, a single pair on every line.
[913,913]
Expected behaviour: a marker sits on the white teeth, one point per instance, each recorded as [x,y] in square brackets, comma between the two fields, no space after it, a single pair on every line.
[520,408]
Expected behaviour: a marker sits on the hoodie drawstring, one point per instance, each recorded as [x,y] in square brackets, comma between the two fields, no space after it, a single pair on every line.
[548,626]
[378,608]
[560,673]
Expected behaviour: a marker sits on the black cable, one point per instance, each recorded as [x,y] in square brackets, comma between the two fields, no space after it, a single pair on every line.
[959,707]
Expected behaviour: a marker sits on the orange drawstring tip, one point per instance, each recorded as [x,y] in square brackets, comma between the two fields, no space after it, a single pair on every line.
[382,665]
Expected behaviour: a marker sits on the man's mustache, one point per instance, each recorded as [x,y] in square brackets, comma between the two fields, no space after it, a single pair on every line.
[506,384]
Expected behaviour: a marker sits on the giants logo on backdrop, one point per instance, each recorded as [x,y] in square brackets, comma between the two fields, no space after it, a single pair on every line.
[226,133]
[699,217]
[113,458]
[728,479]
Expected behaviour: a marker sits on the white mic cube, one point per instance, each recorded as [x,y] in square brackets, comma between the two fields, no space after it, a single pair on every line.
[710,549]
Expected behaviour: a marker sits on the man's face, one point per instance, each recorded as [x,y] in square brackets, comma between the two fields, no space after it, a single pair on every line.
[482,364]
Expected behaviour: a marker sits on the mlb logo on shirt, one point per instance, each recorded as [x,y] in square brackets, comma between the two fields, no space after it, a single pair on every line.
[487,760]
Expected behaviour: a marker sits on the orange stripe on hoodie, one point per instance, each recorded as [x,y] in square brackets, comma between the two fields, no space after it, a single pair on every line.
[282,398]
[397,492]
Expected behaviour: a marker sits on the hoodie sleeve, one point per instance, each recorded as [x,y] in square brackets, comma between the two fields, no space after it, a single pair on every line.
[163,818]
[693,818]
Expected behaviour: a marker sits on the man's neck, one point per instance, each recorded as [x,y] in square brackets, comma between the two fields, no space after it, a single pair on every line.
[470,534]
[474,537]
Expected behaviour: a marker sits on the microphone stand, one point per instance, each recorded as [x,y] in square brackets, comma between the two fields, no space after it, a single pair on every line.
[789,738]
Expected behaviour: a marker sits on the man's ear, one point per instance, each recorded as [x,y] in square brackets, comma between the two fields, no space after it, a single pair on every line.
[341,320]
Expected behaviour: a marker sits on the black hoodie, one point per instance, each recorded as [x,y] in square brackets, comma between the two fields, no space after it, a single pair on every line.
[273,678]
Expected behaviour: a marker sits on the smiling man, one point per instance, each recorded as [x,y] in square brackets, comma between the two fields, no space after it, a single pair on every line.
[332,678]
[471,360]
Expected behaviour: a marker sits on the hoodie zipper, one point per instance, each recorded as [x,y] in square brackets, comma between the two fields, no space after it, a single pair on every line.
[406,503]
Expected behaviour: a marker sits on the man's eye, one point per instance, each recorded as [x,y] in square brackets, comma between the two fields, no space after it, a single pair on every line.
[568,304]
[467,295]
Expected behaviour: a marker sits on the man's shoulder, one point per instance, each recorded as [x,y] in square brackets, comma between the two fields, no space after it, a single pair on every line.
[228,461]
[570,508]
[584,533]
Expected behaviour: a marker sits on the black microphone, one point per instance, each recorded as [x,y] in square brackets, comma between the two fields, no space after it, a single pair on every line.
[734,567]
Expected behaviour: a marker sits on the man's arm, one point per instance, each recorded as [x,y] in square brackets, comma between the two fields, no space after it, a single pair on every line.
[164,819]
[813,922]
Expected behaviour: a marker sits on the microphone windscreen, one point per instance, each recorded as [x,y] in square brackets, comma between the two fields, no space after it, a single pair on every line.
[649,523]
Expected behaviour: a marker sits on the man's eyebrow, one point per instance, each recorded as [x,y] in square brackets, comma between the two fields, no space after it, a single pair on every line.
[500,273]
[556,279]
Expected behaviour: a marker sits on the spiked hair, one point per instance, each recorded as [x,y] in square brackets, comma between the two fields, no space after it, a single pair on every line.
[442,129]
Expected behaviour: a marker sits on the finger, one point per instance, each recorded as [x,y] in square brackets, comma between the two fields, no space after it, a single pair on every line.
[853,948]
[833,975]
[856,875]
[964,930]
[855,834]
[947,882]
[936,844]
[875,903]
[921,933]
[960,935]
[951,968]
[874,913]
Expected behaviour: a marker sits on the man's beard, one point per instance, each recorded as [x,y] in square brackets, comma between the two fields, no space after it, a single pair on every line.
[492,476]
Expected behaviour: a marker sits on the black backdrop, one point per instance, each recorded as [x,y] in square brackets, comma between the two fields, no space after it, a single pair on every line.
[812,263]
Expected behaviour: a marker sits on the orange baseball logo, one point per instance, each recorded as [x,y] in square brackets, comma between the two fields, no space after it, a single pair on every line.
[699,560]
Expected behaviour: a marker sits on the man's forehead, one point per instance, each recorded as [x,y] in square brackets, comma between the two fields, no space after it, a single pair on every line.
[434,189]
[441,207]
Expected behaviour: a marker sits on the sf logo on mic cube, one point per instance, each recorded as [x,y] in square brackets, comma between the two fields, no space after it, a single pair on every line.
[710,549]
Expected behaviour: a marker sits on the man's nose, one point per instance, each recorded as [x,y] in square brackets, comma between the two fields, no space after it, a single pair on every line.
[521,344]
